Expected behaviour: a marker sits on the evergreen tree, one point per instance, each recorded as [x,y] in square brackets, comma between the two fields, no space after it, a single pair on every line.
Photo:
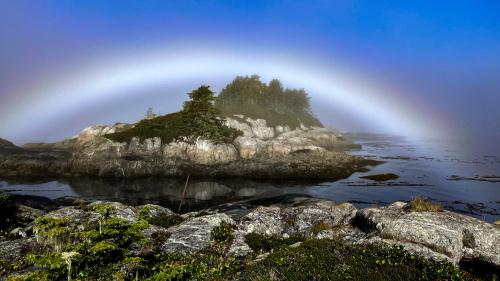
[202,119]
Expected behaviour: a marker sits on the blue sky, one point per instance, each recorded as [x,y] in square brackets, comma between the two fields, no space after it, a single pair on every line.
[445,54]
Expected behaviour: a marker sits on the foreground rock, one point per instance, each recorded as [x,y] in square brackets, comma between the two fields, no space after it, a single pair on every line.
[194,234]
[444,234]
[435,235]
[262,152]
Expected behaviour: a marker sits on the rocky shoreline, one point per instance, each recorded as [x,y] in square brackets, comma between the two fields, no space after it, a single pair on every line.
[435,235]
[262,152]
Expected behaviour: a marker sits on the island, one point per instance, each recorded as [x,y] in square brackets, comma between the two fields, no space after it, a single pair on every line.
[250,130]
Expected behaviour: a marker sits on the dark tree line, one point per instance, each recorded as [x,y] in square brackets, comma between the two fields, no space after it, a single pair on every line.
[249,96]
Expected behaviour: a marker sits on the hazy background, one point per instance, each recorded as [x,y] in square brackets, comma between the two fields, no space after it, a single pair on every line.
[445,55]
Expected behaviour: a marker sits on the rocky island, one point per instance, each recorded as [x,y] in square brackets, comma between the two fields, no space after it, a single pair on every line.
[251,129]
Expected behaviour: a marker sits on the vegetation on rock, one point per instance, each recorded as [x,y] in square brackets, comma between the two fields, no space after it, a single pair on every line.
[106,246]
[419,204]
[198,119]
[250,97]
[335,260]
[164,219]
[222,232]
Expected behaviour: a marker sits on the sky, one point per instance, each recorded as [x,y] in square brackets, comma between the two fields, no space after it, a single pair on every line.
[420,68]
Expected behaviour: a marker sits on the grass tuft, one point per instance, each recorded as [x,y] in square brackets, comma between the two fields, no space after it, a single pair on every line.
[320,226]
[419,204]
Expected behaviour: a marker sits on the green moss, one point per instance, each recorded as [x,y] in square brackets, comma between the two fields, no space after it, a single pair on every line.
[222,233]
[334,260]
[259,243]
[164,220]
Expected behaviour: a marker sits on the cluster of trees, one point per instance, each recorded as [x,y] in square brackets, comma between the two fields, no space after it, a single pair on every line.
[251,97]
[203,114]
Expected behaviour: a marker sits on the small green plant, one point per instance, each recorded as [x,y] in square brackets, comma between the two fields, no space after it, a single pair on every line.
[105,210]
[419,204]
[165,220]
[52,231]
[223,232]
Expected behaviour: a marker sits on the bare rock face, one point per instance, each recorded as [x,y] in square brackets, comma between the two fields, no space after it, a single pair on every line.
[301,220]
[201,152]
[444,233]
[259,140]
[263,220]
[99,130]
[194,234]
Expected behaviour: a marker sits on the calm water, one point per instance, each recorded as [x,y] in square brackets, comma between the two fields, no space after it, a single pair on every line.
[424,169]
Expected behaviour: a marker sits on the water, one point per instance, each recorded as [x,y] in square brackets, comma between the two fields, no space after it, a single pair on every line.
[424,167]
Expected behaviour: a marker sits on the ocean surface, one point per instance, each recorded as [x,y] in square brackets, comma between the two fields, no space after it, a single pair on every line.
[468,184]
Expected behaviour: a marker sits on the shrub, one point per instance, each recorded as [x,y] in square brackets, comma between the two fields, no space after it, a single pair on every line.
[222,233]
[163,219]
[419,204]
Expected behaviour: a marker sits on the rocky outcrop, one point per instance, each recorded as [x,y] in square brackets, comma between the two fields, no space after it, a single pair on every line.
[446,234]
[435,235]
[262,152]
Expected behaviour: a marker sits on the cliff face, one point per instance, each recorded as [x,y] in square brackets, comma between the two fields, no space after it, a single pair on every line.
[262,152]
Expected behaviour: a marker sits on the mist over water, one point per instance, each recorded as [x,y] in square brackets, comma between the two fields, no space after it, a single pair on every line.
[463,182]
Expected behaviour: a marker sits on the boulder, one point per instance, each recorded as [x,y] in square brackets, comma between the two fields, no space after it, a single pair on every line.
[26,215]
[264,221]
[193,234]
[301,220]
[445,233]
[13,250]
[152,211]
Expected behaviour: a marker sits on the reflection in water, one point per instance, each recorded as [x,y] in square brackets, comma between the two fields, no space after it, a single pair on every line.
[168,192]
